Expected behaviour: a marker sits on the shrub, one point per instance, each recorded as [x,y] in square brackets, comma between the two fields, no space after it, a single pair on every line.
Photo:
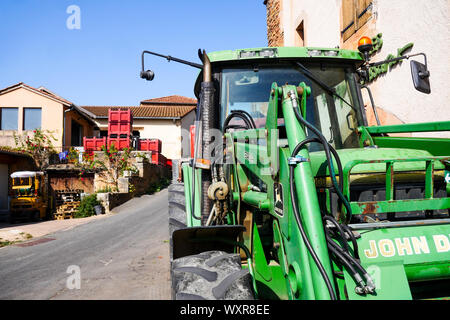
[86,208]
[158,186]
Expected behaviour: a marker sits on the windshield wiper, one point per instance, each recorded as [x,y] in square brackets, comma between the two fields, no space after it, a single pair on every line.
[322,84]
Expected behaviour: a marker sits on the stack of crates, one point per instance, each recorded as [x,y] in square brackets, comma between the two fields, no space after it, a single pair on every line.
[153,145]
[120,126]
[93,144]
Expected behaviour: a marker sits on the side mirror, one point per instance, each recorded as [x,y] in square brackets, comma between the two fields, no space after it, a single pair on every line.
[147,75]
[420,76]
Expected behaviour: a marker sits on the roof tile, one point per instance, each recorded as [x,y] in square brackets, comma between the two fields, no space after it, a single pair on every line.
[166,111]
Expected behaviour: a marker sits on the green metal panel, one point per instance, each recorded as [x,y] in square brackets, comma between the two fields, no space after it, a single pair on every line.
[391,205]
[411,127]
[421,248]
[435,146]
[187,178]
[286,52]
[270,281]
[399,205]
[370,156]
[390,280]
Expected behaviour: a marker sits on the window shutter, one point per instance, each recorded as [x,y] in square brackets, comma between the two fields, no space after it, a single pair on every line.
[348,18]
[363,12]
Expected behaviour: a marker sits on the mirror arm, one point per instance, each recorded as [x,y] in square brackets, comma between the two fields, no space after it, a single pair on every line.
[170,58]
[398,59]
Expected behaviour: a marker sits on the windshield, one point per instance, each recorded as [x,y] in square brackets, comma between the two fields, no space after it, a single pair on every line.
[249,90]
[21,182]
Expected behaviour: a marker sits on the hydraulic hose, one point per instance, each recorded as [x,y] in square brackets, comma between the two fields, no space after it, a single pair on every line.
[250,118]
[330,162]
[340,254]
[338,227]
[353,240]
[346,258]
[232,115]
[302,230]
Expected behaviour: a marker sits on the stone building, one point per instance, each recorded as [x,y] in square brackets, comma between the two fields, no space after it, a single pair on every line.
[400,26]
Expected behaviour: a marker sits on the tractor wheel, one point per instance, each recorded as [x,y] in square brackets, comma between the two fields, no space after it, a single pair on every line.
[211,275]
[177,210]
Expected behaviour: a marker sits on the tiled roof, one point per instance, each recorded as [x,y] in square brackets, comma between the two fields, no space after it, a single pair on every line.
[144,112]
[41,90]
[175,100]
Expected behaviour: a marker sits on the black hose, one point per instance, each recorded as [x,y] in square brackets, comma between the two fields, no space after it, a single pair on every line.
[328,155]
[303,233]
[335,155]
[341,256]
[237,115]
[353,239]
[234,126]
[250,118]
[339,229]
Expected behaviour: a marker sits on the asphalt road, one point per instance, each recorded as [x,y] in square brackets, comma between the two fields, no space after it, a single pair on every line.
[125,256]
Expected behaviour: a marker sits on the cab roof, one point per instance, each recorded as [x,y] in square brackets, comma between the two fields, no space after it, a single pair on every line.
[26,174]
[284,52]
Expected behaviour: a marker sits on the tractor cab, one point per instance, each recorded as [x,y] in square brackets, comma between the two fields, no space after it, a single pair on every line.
[245,85]
[28,196]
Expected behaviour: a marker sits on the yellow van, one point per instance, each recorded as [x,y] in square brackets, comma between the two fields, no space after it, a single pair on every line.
[29,196]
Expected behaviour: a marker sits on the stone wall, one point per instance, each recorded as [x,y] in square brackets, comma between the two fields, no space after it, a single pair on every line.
[132,185]
[274,30]
[70,181]
[111,200]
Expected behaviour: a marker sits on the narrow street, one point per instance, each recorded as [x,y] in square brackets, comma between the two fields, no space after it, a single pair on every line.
[125,256]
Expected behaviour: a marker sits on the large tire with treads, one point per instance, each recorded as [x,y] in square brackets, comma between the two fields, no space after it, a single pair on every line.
[177,210]
[211,275]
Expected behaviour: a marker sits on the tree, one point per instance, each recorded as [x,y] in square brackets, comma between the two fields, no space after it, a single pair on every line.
[110,166]
[39,146]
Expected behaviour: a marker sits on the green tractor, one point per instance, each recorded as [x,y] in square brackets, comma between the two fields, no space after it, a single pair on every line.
[291,195]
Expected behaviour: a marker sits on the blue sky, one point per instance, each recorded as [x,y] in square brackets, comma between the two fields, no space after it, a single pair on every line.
[99,64]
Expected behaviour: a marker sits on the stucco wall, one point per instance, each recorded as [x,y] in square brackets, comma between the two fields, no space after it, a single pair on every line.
[51,116]
[425,23]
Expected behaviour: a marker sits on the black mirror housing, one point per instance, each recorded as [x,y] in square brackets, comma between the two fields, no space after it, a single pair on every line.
[147,75]
[420,76]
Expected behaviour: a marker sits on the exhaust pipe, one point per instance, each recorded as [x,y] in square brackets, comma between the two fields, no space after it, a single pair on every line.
[207,114]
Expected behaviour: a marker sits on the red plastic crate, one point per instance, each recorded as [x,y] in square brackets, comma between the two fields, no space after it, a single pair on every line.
[119,143]
[120,115]
[158,158]
[154,145]
[119,127]
[93,144]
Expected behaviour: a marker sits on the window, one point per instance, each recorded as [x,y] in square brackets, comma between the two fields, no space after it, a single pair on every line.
[300,35]
[32,118]
[9,118]
[355,13]
[76,134]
